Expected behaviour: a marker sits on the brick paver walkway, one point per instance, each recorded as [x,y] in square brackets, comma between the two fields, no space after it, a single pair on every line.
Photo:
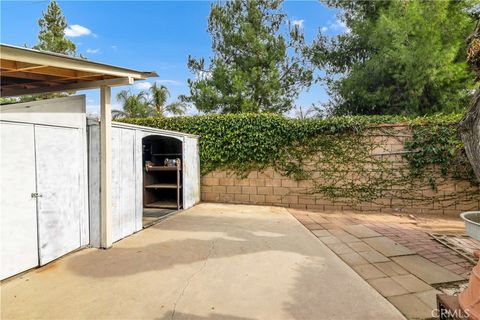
[412,292]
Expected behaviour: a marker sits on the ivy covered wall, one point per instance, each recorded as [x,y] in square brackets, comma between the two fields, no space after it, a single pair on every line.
[394,163]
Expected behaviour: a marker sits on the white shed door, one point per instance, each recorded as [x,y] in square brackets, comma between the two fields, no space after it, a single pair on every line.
[18,210]
[60,184]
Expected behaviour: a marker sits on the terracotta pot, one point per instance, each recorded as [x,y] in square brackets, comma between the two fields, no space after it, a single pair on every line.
[470,298]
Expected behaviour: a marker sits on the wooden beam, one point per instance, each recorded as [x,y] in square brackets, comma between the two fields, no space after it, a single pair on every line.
[69,63]
[83,85]
[27,75]
[105,168]
[9,71]
[15,66]
[51,82]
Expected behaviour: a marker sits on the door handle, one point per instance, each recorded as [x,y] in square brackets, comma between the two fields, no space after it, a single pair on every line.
[36,195]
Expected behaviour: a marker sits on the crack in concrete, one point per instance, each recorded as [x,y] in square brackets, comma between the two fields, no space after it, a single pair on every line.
[191,278]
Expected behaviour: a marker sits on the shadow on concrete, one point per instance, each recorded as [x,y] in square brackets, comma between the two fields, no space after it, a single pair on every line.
[194,235]
[182,315]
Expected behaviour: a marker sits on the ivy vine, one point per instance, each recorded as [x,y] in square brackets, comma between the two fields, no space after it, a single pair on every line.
[343,156]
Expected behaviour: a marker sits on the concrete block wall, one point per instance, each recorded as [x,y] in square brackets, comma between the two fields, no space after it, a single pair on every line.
[269,187]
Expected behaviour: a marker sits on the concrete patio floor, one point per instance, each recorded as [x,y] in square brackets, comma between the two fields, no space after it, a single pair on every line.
[210,262]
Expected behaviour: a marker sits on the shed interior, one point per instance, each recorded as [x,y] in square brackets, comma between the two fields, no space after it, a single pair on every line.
[162,177]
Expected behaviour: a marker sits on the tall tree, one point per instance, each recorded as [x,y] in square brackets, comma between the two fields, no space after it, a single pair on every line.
[470,124]
[397,57]
[51,36]
[258,63]
[160,95]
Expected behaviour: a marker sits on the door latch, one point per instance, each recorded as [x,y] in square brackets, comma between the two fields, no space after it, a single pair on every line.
[36,195]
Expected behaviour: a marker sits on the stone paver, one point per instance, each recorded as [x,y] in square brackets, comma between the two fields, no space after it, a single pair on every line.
[400,262]
[348,238]
[329,240]
[388,247]
[374,256]
[340,248]
[426,270]
[360,231]
[412,306]
[360,246]
[321,233]
[387,287]
[429,297]
[353,259]
[368,271]
[391,268]
[412,283]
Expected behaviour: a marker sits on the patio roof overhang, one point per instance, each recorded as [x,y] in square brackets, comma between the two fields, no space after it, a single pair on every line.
[26,71]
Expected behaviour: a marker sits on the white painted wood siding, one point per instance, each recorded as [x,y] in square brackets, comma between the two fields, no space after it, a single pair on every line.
[59,165]
[18,210]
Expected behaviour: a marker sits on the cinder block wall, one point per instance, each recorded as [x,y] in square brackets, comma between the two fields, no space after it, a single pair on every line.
[269,187]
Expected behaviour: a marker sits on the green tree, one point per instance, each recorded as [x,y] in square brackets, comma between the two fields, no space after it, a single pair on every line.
[51,36]
[133,105]
[258,63]
[397,57]
[160,95]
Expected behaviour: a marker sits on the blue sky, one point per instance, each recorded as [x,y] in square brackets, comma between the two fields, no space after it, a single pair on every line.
[149,35]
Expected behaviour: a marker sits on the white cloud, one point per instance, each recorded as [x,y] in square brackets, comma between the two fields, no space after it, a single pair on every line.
[298,23]
[76,30]
[93,51]
[142,85]
[145,85]
[168,81]
[339,26]
[114,47]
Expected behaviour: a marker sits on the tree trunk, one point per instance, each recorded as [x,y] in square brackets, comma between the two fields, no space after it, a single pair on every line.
[470,133]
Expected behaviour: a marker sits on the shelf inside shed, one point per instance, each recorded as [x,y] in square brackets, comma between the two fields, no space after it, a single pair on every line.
[163,186]
[162,204]
[162,178]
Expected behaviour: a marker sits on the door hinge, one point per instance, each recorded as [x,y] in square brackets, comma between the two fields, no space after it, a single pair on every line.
[36,195]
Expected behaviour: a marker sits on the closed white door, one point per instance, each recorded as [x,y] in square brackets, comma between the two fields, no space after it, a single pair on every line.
[18,209]
[60,184]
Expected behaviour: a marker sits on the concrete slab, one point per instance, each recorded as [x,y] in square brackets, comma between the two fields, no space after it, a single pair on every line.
[388,247]
[360,231]
[209,262]
[426,270]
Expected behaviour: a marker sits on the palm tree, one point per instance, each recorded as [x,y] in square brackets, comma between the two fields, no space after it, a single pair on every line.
[134,105]
[160,95]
